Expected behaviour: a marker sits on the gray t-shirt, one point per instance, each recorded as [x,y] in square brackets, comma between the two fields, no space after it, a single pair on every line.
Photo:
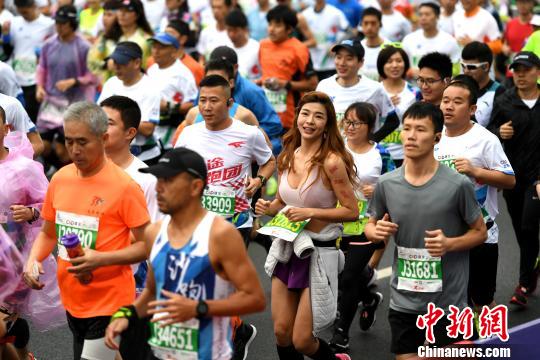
[445,202]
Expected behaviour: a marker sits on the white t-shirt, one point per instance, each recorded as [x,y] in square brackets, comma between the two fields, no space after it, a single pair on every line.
[484,105]
[27,39]
[369,69]
[16,116]
[147,96]
[446,24]
[392,142]
[210,39]
[530,103]
[229,154]
[248,59]
[9,85]
[479,27]
[327,27]
[147,182]
[365,90]
[395,26]
[483,149]
[368,167]
[417,45]
[155,11]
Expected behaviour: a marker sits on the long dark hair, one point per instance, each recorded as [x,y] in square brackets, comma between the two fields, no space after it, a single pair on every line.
[142,22]
[115,32]
[332,142]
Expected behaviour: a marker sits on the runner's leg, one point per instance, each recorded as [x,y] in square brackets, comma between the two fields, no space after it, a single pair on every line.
[284,304]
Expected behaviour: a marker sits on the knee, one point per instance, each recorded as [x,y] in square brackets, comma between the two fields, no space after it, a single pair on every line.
[304,342]
[283,333]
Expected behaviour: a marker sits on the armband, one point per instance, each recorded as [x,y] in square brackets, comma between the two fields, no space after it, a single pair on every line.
[126,312]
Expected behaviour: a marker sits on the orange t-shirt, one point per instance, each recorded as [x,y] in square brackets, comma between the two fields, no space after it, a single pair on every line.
[196,69]
[101,209]
[283,61]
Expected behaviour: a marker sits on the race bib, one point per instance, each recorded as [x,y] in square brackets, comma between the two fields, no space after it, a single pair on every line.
[86,228]
[177,341]
[219,200]
[418,271]
[277,98]
[283,228]
[357,227]
[393,138]
[25,67]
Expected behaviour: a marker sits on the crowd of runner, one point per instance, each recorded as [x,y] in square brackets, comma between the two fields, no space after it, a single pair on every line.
[145,145]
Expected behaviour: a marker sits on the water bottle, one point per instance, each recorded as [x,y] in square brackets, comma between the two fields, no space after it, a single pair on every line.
[74,249]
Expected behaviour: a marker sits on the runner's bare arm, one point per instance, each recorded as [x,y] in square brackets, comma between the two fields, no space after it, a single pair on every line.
[146,128]
[191,115]
[303,26]
[271,208]
[43,247]
[37,143]
[246,116]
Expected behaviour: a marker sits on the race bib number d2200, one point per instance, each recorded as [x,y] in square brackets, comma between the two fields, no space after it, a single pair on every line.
[86,228]
[418,271]
[283,228]
[219,200]
[177,341]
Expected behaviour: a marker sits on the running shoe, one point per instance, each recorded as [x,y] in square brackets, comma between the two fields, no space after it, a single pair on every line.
[536,274]
[242,339]
[367,315]
[339,342]
[343,357]
[520,296]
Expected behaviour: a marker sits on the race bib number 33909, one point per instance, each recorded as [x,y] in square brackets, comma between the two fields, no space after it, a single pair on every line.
[418,271]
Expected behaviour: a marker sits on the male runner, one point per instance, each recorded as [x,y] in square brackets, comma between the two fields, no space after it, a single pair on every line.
[200,272]
[435,71]
[435,237]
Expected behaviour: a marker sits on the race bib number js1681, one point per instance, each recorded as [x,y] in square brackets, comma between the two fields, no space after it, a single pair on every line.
[418,271]
[177,341]
[283,228]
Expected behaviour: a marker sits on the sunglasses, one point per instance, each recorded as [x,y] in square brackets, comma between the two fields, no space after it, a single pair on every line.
[472,67]
[396,45]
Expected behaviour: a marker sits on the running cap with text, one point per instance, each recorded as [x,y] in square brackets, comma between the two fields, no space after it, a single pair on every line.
[177,161]
[525,58]
[126,51]
[165,39]
[224,53]
[353,46]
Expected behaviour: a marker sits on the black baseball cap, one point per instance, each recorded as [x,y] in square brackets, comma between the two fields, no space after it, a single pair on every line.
[352,46]
[525,58]
[224,53]
[65,14]
[177,161]
[126,51]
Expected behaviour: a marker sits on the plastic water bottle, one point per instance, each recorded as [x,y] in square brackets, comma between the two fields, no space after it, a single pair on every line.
[74,249]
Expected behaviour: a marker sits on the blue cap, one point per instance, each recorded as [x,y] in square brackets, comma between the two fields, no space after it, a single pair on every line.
[125,52]
[165,39]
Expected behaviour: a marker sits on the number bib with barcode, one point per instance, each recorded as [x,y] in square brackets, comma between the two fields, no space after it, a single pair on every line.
[357,227]
[283,228]
[86,228]
[277,98]
[393,138]
[25,67]
[177,341]
[418,271]
[219,200]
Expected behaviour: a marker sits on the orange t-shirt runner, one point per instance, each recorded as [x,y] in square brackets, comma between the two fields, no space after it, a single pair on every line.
[283,61]
[101,209]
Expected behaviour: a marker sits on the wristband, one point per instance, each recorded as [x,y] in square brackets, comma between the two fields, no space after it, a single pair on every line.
[288,85]
[35,214]
[263,180]
[125,312]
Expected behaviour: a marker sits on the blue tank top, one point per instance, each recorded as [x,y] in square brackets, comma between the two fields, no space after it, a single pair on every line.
[187,271]
[232,112]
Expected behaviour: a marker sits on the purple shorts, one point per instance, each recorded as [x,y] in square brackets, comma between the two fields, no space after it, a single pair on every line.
[295,273]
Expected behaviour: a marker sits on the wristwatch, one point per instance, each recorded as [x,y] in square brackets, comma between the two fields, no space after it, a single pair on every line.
[263,180]
[202,309]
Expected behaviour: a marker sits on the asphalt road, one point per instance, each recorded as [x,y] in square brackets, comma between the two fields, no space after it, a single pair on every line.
[373,345]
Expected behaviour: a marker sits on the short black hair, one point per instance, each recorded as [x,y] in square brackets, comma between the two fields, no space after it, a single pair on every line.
[477,51]
[180,26]
[220,64]
[436,8]
[283,14]
[129,110]
[112,5]
[371,11]
[386,53]
[215,81]
[441,63]
[365,112]
[24,3]
[422,109]
[237,19]
[466,82]
[3,115]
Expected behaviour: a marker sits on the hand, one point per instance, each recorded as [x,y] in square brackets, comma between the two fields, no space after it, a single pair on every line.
[40,93]
[506,130]
[21,213]
[66,84]
[395,99]
[31,273]
[385,228]
[253,184]
[538,190]
[367,190]
[295,214]
[5,27]
[177,308]
[464,40]
[436,242]
[91,260]
[262,206]
[464,166]
[117,327]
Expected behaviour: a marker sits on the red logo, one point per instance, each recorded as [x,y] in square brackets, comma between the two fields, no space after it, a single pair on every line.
[237,144]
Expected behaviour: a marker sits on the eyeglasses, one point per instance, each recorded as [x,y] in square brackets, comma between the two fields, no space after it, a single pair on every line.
[429,82]
[396,45]
[354,124]
[472,67]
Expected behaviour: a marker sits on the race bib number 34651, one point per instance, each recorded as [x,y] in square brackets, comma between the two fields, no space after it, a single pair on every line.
[418,271]
[176,341]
